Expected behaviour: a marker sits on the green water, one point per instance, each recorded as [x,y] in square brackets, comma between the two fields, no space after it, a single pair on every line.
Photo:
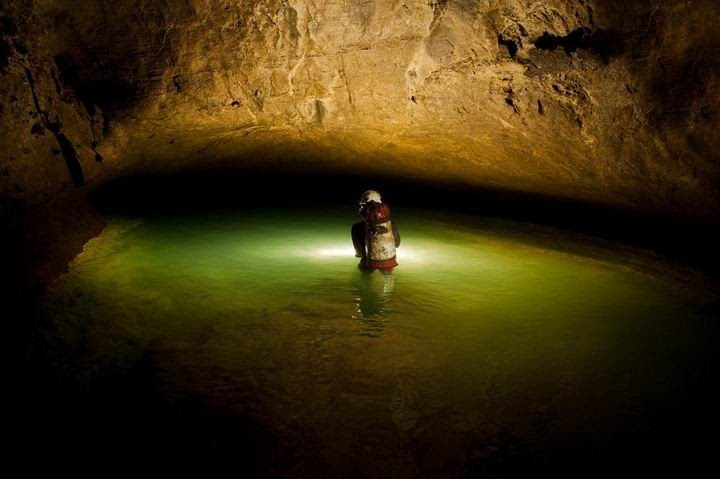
[491,345]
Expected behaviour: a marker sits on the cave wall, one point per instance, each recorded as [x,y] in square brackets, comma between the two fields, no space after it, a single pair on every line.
[610,102]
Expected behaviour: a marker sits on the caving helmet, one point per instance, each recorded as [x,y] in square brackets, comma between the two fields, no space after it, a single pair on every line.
[370,195]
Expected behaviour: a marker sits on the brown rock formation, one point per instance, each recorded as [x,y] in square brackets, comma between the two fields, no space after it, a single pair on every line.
[611,102]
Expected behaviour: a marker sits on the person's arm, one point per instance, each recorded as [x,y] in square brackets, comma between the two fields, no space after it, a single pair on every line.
[358,239]
[396,233]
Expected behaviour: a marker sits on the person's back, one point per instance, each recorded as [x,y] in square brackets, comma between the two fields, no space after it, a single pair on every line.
[377,237]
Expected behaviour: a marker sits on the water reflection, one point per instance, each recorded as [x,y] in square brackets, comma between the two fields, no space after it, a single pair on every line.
[373,291]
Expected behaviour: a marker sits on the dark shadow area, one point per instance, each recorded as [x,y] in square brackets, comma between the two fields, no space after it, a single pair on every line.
[5,52]
[106,92]
[71,158]
[66,147]
[604,43]
[512,46]
[7,30]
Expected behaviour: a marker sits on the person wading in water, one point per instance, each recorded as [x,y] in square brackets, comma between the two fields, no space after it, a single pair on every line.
[376,237]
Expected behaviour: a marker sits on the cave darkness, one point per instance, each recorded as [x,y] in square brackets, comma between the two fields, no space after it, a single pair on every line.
[177,186]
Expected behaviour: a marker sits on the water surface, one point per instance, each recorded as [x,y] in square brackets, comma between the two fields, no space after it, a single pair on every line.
[493,346]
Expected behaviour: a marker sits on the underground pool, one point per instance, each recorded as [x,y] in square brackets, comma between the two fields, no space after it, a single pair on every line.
[493,346]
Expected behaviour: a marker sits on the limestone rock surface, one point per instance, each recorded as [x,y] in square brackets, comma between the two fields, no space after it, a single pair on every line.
[605,101]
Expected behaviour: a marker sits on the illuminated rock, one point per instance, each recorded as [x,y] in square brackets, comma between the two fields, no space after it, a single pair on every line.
[602,101]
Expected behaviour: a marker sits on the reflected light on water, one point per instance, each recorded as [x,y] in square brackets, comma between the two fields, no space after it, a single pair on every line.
[403,253]
[335,251]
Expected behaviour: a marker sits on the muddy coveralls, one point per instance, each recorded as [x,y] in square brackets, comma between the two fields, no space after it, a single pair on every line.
[376,237]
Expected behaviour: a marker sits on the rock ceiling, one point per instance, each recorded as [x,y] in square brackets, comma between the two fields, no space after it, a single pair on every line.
[614,102]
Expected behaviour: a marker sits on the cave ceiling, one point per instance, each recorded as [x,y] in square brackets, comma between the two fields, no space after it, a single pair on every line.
[602,101]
